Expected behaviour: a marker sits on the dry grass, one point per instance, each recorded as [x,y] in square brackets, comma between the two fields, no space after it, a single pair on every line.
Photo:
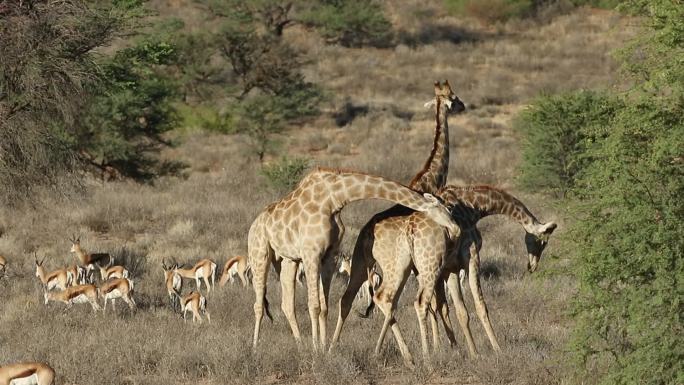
[208,214]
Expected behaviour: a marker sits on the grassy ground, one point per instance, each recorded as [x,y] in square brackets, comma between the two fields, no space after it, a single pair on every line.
[207,215]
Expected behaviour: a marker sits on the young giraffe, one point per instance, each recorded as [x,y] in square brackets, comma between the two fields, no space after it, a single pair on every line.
[430,179]
[424,246]
[305,227]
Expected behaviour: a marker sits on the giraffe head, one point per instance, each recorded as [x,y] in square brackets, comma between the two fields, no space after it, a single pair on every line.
[446,95]
[536,243]
[439,213]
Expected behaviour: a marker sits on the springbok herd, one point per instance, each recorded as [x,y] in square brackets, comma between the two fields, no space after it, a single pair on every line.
[431,231]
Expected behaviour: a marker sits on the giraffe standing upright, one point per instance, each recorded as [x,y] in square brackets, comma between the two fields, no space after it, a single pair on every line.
[305,226]
[429,179]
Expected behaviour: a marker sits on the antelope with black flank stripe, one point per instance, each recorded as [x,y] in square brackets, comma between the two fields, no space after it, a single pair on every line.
[108,271]
[174,284]
[57,279]
[195,303]
[88,260]
[75,294]
[117,288]
[235,266]
[27,373]
[204,269]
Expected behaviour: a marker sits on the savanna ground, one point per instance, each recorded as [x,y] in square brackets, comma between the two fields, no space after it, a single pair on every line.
[207,215]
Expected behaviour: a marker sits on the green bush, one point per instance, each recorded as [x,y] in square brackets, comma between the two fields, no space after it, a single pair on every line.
[626,155]
[629,236]
[284,174]
[124,124]
[351,23]
[557,131]
[47,74]
[629,240]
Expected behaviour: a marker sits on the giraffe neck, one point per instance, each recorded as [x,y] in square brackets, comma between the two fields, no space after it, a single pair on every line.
[473,203]
[434,173]
[347,186]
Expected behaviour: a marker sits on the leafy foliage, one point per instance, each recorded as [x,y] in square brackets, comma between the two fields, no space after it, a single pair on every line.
[626,185]
[267,88]
[351,23]
[123,126]
[557,131]
[284,174]
[46,71]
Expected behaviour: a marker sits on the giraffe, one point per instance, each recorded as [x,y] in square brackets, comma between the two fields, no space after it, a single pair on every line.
[421,246]
[429,179]
[305,226]
[470,204]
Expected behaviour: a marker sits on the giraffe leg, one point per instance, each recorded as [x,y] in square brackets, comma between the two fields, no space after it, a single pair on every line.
[327,273]
[259,284]
[287,283]
[443,308]
[386,299]
[423,299]
[357,277]
[476,291]
[312,285]
[432,310]
[461,312]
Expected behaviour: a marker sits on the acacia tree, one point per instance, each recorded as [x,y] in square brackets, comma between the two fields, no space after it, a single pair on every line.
[51,82]
[629,237]
[45,72]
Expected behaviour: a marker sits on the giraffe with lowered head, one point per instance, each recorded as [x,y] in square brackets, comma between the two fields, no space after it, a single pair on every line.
[429,179]
[305,226]
[436,257]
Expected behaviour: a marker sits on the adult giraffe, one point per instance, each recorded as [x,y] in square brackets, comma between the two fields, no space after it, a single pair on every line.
[429,179]
[414,243]
[305,227]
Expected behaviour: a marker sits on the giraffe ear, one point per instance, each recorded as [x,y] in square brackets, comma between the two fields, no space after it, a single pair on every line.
[430,104]
[548,228]
[431,198]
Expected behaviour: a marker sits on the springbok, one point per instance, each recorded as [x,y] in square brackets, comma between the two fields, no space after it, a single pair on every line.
[27,373]
[205,269]
[174,284]
[58,279]
[236,265]
[87,259]
[75,294]
[108,271]
[78,273]
[196,303]
[117,288]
